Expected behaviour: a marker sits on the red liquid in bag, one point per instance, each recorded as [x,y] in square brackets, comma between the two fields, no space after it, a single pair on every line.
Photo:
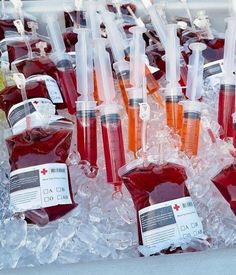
[226,108]
[65,76]
[8,25]
[214,50]
[113,146]
[87,137]
[35,88]
[37,65]
[19,49]
[154,184]
[225,181]
[123,8]
[75,18]
[12,95]
[160,182]
[40,146]
[70,39]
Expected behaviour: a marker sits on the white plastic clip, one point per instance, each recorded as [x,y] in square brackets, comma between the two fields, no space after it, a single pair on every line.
[19,80]
[202,21]
[33,26]
[5,66]
[19,26]
[182,25]
[41,46]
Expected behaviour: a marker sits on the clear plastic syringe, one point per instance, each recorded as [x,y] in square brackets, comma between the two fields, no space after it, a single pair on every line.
[156,20]
[192,108]
[121,66]
[93,23]
[173,92]
[86,106]
[226,104]
[161,29]
[112,136]
[137,94]
[119,51]
[63,63]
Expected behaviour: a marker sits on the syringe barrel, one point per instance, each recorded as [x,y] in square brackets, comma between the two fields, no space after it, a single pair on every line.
[234,129]
[55,34]
[195,71]
[134,121]
[226,107]
[135,93]
[172,54]
[191,127]
[87,131]
[67,80]
[174,110]
[104,76]
[158,24]
[137,56]
[85,106]
[113,143]
[229,51]
[122,70]
[92,19]
[84,64]
[114,36]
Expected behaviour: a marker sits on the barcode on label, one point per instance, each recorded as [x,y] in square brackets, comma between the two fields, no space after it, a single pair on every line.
[58,170]
[188,204]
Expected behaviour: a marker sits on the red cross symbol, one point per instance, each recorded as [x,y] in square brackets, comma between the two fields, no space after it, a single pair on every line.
[44,171]
[176,207]
[35,102]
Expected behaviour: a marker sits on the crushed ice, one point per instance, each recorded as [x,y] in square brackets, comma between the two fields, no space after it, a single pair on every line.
[103,226]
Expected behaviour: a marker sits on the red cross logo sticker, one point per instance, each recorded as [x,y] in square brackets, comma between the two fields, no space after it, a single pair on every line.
[176,207]
[44,171]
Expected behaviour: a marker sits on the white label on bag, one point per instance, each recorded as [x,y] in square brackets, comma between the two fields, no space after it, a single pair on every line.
[168,222]
[213,69]
[39,187]
[16,114]
[53,90]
